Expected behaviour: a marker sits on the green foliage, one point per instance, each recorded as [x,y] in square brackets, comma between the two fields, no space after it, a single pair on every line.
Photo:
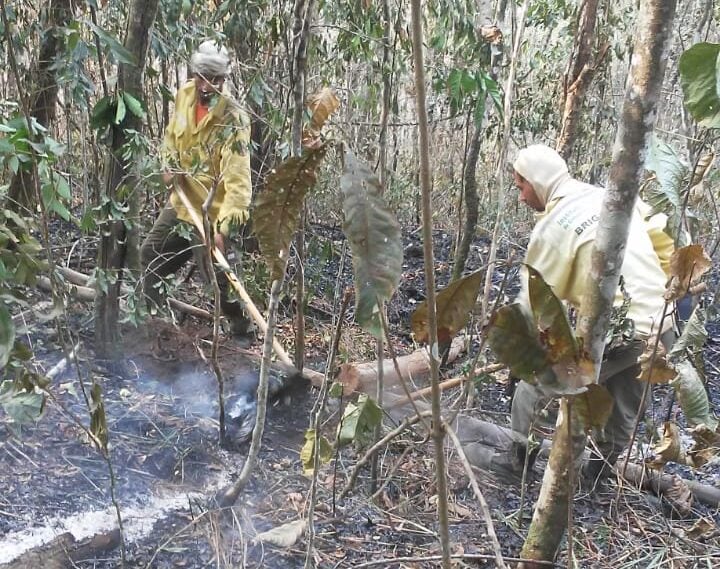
[699,79]
[468,90]
[539,346]
[112,110]
[359,421]
[454,305]
[375,242]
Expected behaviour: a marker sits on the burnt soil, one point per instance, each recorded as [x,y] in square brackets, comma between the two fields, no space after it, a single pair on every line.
[161,406]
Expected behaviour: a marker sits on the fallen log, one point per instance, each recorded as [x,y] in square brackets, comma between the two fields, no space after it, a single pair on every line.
[65,551]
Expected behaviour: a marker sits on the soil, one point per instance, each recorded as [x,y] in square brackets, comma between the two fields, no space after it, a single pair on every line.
[168,465]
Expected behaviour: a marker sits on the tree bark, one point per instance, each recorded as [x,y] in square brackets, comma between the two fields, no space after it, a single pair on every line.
[42,96]
[472,202]
[117,244]
[646,73]
[579,75]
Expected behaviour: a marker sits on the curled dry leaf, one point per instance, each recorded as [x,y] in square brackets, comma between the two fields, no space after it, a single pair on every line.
[669,449]
[594,406]
[656,370]
[687,267]
[283,536]
[704,527]
[322,104]
[679,496]
[491,34]
[706,447]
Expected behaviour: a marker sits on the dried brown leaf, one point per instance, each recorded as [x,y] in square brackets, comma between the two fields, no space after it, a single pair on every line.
[706,447]
[687,267]
[657,370]
[322,104]
[283,536]
[679,496]
[491,34]
[349,377]
[669,449]
[594,406]
[703,527]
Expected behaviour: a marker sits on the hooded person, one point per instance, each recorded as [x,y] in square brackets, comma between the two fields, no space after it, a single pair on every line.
[567,216]
[206,146]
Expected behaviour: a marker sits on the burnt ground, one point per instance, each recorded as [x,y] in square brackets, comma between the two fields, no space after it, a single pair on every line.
[167,463]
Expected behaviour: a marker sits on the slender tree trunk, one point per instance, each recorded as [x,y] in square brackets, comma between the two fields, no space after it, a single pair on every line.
[579,74]
[116,242]
[646,74]
[42,95]
[472,202]
[438,433]
[301,32]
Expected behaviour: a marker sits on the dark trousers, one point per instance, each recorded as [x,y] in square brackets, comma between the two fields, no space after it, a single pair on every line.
[165,251]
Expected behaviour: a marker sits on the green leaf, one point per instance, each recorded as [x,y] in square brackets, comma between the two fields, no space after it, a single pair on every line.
[594,406]
[515,342]
[98,420]
[670,171]
[692,396]
[24,407]
[699,79]
[359,421]
[307,454]
[133,105]
[119,110]
[551,320]
[454,305]
[375,242]
[693,337]
[122,55]
[7,335]
[276,214]
[103,113]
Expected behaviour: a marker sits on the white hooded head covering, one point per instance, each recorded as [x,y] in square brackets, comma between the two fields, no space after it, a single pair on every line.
[543,167]
[210,60]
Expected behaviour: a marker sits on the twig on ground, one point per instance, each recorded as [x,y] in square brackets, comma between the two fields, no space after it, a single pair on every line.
[478,494]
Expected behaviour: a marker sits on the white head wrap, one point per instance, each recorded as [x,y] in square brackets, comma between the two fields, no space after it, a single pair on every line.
[543,167]
[210,60]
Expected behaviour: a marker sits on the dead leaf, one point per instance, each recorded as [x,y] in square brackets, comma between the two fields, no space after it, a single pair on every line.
[656,369]
[283,536]
[322,104]
[669,449]
[594,406]
[706,447]
[491,34]
[349,377]
[702,528]
[687,267]
[679,496]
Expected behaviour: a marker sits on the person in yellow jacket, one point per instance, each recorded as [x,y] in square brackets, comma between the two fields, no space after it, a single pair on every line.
[206,145]
[567,215]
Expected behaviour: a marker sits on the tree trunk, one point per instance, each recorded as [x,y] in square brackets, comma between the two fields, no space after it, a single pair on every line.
[117,244]
[42,96]
[472,202]
[579,74]
[646,74]
[301,34]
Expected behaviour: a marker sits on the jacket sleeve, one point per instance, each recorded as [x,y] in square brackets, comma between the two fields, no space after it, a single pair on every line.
[235,168]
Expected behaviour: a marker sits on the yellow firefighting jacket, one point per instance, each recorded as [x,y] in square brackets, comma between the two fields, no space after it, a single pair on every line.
[215,151]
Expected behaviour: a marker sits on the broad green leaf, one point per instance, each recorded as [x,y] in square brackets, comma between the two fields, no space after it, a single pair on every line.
[699,79]
[454,305]
[551,319]
[670,171]
[515,342]
[359,421]
[307,454]
[692,396]
[122,55]
[693,336]
[375,243]
[119,110]
[24,406]
[594,406]
[98,420]
[103,113]
[7,335]
[276,214]
[133,105]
